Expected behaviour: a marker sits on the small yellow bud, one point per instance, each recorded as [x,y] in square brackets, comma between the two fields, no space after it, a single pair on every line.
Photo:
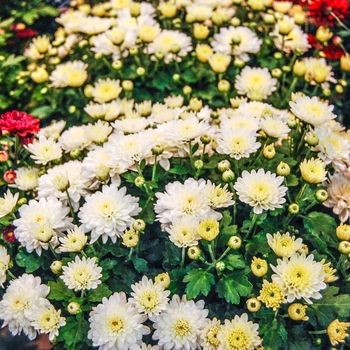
[259,267]
[297,312]
[345,63]
[73,308]
[200,31]
[195,104]
[343,232]
[323,34]
[163,279]
[269,151]
[253,304]
[234,242]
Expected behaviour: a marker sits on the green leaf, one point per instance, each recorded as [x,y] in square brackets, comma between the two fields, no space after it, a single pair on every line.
[291,180]
[226,290]
[12,60]
[31,262]
[101,291]
[140,265]
[74,333]
[275,336]
[7,22]
[59,291]
[42,112]
[198,281]
[234,261]
[178,170]
[49,11]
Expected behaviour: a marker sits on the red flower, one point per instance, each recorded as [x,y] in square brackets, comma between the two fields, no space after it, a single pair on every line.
[10,176]
[19,123]
[333,52]
[8,233]
[26,33]
[313,41]
[320,11]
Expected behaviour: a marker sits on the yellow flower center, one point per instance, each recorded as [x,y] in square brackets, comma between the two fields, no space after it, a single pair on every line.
[149,300]
[116,325]
[182,328]
[82,277]
[211,337]
[238,340]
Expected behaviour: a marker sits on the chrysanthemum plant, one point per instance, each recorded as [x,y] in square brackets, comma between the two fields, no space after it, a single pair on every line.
[189,186]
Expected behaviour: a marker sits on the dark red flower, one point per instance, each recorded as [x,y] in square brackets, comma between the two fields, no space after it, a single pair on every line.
[26,33]
[314,42]
[19,123]
[320,11]
[8,233]
[333,52]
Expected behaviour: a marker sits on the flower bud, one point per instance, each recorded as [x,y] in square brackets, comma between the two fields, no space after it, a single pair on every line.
[73,308]
[40,75]
[235,21]
[345,63]
[139,181]
[133,50]
[339,89]
[299,68]
[220,266]
[297,312]
[343,232]
[285,25]
[75,153]
[253,304]
[293,208]
[276,73]
[130,238]
[56,267]
[224,165]
[157,150]
[323,34]
[194,252]
[344,247]
[259,267]
[159,55]
[187,90]
[198,164]
[117,64]
[321,195]
[196,104]
[283,169]
[163,279]
[200,31]
[228,175]
[278,55]
[176,77]
[139,225]
[234,242]
[140,71]
[168,10]
[88,90]
[224,85]
[127,85]
[269,151]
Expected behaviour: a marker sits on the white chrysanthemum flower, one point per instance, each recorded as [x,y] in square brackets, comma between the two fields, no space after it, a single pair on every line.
[148,297]
[183,232]
[74,139]
[32,53]
[26,178]
[163,113]
[102,44]
[209,339]
[75,241]
[8,203]
[108,213]
[254,109]
[130,149]
[106,90]
[174,101]
[338,189]
[40,222]
[312,110]
[98,132]
[64,49]
[313,170]
[70,16]
[71,73]
[44,150]
[295,40]
[172,44]
[4,265]
[116,324]
[255,82]
[91,25]
[333,147]
[247,42]
[82,274]
[274,127]
[219,197]
[131,125]
[53,130]
[239,334]
[315,66]
[47,320]
[284,245]
[248,123]
[184,200]
[107,111]
[65,178]
[200,12]
[21,297]
[181,324]
[300,277]
[262,191]
[237,143]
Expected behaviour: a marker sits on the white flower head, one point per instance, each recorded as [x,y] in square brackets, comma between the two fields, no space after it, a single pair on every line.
[300,277]
[53,130]
[247,42]
[312,110]
[8,203]
[256,83]
[237,143]
[74,139]
[4,265]
[75,241]
[116,323]
[26,178]
[108,213]
[284,245]
[239,333]
[47,319]
[183,232]
[274,127]
[181,324]
[98,132]
[71,73]
[262,191]
[106,90]
[219,197]
[209,339]
[148,297]
[82,274]
[44,150]
[21,297]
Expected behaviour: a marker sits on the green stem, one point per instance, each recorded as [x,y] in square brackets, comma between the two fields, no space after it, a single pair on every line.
[11,274]
[191,154]
[211,253]
[130,254]
[301,192]
[154,169]
[183,255]
[339,21]
[234,209]
[82,293]
[224,253]
[70,205]
[252,226]
[53,252]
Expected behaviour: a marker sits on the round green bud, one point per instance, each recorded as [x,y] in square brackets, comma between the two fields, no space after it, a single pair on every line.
[133,50]
[56,267]
[22,201]
[72,109]
[194,252]
[286,69]
[127,85]
[44,90]
[140,71]
[253,304]
[75,153]
[344,247]
[321,195]
[220,266]
[159,55]
[157,150]
[276,73]
[117,64]
[176,77]
[98,55]
[224,165]
[278,55]
[198,164]
[228,175]
[187,90]
[312,139]
[73,308]
[235,21]
[205,139]
[234,242]
[293,208]
[83,43]
[283,169]
[140,181]
[339,89]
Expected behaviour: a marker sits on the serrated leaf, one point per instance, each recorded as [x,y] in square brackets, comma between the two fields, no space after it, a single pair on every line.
[31,262]
[59,291]
[42,112]
[198,281]
[234,261]
[140,265]
[12,60]
[226,290]
[178,170]
[275,336]
[291,180]
[74,333]
[101,291]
